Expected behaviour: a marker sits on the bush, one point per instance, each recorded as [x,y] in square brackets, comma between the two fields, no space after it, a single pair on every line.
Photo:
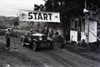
[16,34]
[3,27]
[2,32]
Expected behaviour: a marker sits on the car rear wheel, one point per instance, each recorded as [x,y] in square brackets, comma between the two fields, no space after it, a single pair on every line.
[34,46]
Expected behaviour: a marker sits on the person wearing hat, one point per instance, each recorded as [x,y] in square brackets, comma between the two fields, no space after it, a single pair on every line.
[7,36]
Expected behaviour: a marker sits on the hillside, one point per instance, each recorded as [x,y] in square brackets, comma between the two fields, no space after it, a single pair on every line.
[6,20]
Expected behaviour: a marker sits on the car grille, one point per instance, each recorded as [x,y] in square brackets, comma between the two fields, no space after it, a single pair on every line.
[44,38]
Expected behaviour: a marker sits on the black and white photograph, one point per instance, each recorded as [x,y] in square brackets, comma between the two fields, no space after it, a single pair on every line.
[49,33]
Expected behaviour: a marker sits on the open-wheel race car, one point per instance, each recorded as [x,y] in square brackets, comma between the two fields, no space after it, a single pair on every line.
[37,41]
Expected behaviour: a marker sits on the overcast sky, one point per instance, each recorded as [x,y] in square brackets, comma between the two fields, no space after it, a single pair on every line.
[11,7]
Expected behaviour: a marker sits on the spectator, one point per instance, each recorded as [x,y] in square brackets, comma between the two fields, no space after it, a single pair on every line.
[55,37]
[59,39]
[51,33]
[46,31]
[7,36]
[40,30]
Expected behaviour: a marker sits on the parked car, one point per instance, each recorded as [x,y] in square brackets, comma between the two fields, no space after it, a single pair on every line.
[37,40]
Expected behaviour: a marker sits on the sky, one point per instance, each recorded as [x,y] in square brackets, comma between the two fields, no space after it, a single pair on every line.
[12,7]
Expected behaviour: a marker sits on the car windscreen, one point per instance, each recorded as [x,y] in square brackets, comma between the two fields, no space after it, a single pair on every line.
[35,37]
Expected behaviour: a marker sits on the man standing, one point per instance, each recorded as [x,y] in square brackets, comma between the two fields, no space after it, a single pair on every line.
[46,31]
[59,40]
[51,32]
[7,36]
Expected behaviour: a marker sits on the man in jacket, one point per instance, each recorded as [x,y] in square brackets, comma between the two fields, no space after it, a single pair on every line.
[7,36]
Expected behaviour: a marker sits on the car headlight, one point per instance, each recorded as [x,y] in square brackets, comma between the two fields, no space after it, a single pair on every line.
[49,38]
[40,38]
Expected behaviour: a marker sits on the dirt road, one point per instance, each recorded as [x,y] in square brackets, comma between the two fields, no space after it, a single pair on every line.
[26,57]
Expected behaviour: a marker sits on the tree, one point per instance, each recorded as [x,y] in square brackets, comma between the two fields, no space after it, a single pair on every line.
[70,8]
[16,21]
[38,7]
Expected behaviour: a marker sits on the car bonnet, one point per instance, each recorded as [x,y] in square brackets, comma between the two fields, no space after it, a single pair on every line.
[38,34]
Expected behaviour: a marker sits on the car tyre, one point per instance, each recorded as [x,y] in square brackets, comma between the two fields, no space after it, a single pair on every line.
[34,46]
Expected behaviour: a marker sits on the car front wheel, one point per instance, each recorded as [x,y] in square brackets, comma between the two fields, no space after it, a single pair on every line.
[34,46]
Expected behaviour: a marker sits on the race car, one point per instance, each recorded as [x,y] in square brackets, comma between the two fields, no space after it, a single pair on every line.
[37,40]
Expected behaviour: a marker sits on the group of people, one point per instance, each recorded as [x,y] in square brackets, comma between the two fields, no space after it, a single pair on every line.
[55,35]
[50,32]
[47,31]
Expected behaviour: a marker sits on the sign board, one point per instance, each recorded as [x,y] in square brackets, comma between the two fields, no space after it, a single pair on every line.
[73,36]
[38,16]
[92,31]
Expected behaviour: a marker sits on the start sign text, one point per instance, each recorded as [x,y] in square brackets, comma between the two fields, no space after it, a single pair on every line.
[40,16]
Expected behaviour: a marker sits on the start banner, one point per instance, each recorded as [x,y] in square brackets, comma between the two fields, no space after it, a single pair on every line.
[39,16]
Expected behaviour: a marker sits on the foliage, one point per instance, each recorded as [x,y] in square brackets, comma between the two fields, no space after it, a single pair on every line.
[38,7]
[16,23]
[3,27]
[16,34]
[70,8]
[15,20]
[2,32]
